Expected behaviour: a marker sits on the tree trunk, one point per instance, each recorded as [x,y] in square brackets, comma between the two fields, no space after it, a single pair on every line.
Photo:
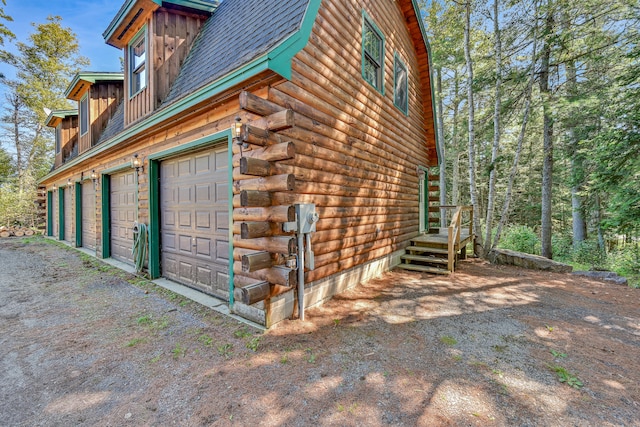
[443,164]
[496,128]
[523,128]
[472,150]
[455,182]
[547,145]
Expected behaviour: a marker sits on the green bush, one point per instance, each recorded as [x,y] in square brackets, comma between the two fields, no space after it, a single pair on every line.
[562,247]
[522,239]
[589,253]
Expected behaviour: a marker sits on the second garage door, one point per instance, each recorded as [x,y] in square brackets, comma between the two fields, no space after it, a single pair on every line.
[88,215]
[195,220]
[68,215]
[55,213]
[123,215]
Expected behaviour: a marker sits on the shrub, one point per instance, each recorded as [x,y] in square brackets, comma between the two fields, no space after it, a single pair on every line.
[520,238]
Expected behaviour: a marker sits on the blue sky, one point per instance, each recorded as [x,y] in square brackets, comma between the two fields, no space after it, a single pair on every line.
[88,19]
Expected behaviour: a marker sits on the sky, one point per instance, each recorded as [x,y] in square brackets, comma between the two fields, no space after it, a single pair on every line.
[88,19]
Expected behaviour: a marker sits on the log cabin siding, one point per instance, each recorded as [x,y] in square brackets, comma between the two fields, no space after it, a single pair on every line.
[357,153]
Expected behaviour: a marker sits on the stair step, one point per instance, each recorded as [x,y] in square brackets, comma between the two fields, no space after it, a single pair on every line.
[422,268]
[422,258]
[427,249]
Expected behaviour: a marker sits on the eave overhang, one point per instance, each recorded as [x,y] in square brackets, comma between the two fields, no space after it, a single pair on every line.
[55,117]
[128,21]
[83,80]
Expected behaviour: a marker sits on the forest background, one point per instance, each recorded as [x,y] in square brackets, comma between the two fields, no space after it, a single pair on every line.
[538,104]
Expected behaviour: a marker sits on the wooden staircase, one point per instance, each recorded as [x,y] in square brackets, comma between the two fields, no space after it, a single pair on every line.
[439,250]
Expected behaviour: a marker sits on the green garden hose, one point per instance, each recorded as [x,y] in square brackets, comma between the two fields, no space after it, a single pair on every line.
[139,250]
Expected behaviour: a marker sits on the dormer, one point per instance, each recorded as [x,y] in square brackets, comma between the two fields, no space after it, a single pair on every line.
[155,37]
[98,95]
[65,123]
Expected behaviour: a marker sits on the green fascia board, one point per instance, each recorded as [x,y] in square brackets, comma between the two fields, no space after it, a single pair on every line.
[154,218]
[122,13]
[92,77]
[416,8]
[106,216]
[61,114]
[281,55]
[203,5]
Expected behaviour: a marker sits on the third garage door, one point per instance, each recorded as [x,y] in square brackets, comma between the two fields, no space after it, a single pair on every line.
[195,220]
[89,215]
[123,215]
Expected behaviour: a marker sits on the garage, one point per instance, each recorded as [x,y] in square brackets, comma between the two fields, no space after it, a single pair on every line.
[88,215]
[194,218]
[122,215]
[55,213]
[68,215]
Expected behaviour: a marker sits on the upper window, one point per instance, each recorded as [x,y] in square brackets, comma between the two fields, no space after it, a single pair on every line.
[400,85]
[58,138]
[372,54]
[84,115]
[137,63]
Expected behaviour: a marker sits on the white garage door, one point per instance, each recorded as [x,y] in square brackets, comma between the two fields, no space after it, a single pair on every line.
[88,215]
[195,220]
[123,215]
[55,214]
[68,215]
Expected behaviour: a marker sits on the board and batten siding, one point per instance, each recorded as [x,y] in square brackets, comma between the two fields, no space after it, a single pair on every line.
[357,153]
[69,138]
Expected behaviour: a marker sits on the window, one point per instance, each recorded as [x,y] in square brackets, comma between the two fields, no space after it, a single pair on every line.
[372,54]
[400,85]
[84,115]
[137,64]
[58,138]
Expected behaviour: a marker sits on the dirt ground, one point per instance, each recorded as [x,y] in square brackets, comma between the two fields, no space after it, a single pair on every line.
[82,343]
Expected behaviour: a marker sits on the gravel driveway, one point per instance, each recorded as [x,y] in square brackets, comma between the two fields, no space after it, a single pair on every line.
[82,343]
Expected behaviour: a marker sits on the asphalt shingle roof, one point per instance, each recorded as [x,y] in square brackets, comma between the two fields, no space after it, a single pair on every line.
[238,32]
[115,125]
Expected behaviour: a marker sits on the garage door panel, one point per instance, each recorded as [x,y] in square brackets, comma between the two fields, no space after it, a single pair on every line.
[55,213]
[123,215]
[88,215]
[68,215]
[222,193]
[222,250]
[189,210]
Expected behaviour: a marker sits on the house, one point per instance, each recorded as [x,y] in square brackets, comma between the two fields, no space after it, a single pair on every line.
[231,117]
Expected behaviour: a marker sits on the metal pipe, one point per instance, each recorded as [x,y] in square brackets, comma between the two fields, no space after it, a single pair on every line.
[301,275]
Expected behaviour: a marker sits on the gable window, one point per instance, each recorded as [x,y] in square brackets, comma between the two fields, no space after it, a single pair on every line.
[137,63]
[372,54]
[400,85]
[84,115]
[58,138]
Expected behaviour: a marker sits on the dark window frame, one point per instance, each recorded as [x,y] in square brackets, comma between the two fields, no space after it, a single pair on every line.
[372,58]
[402,103]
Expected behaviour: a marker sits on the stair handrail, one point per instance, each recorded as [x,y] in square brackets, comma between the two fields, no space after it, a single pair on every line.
[454,231]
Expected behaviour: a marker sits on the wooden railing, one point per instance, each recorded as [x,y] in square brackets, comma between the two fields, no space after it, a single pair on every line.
[454,231]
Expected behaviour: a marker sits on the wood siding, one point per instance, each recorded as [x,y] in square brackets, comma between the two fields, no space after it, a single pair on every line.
[170,34]
[356,153]
[174,34]
[104,98]
[69,139]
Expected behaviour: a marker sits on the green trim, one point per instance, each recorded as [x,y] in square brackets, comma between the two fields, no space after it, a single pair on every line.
[405,108]
[49,213]
[78,190]
[84,98]
[416,9]
[367,19]
[122,13]
[92,77]
[60,114]
[154,218]
[280,57]
[106,205]
[230,195]
[203,5]
[61,227]
[106,216]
